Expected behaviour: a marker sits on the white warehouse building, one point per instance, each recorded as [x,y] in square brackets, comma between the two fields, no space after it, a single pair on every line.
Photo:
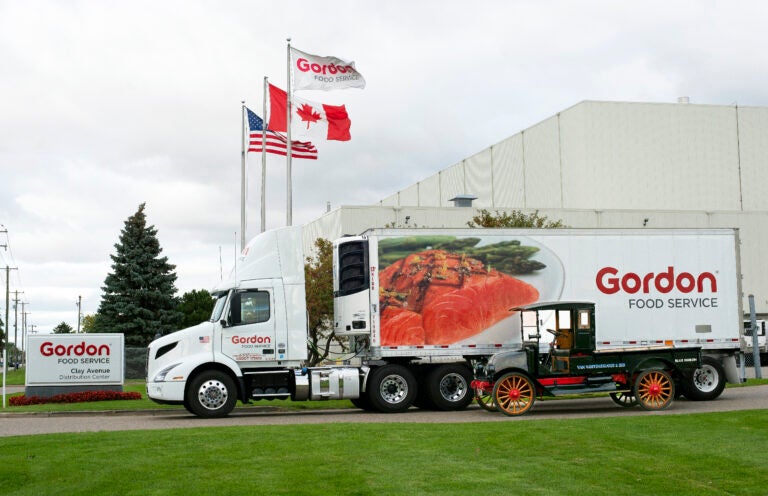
[605,164]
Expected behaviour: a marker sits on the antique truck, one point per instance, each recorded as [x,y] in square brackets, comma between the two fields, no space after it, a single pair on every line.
[510,381]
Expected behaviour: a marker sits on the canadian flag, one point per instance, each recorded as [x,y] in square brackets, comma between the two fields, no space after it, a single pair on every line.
[310,120]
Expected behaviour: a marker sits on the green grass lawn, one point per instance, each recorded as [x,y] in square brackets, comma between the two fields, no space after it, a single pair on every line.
[701,454]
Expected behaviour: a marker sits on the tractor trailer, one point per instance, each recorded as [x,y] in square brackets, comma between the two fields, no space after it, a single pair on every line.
[419,308]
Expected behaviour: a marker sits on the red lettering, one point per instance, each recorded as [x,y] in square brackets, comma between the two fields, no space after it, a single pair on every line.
[631,283]
[685,282]
[667,276]
[706,276]
[609,282]
[48,349]
[607,285]
[304,65]
[251,340]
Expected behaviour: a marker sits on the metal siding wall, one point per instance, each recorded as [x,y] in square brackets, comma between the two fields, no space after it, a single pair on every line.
[429,191]
[754,239]
[753,153]
[508,173]
[650,156]
[542,165]
[410,195]
[329,226]
[451,183]
[579,172]
[479,179]
[390,200]
[439,217]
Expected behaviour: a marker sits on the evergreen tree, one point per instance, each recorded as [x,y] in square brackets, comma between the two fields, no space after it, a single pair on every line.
[195,306]
[63,328]
[138,295]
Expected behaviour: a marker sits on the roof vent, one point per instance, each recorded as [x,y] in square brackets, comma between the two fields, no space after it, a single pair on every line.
[463,200]
[683,99]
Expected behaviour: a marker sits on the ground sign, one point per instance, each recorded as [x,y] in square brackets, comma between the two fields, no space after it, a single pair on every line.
[59,363]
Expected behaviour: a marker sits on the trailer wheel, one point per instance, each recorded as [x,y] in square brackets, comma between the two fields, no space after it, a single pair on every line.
[514,394]
[654,389]
[624,399]
[707,382]
[485,400]
[211,394]
[392,388]
[448,387]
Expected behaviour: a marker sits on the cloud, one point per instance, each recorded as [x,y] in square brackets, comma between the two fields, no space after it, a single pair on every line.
[106,105]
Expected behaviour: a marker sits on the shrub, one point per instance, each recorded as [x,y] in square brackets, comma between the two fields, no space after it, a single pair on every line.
[81,397]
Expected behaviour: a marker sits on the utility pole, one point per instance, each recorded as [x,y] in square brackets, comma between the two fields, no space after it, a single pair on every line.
[79,308]
[16,323]
[3,339]
[23,329]
[7,304]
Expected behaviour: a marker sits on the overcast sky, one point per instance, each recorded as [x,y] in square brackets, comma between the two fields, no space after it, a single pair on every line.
[106,105]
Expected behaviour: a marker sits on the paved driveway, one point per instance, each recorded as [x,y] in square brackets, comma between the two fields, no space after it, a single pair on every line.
[746,398]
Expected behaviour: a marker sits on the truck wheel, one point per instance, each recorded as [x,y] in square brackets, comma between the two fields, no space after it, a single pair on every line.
[654,389]
[624,399]
[514,394]
[448,387]
[707,382]
[392,389]
[211,394]
[363,402]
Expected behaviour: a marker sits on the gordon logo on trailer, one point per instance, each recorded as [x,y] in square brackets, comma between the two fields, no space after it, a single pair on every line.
[609,282]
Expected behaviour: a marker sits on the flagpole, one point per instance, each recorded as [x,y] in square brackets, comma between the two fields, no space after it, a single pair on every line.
[289,192]
[242,175]
[264,161]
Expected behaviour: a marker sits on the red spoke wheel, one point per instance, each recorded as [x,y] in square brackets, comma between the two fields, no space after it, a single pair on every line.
[485,400]
[514,394]
[654,389]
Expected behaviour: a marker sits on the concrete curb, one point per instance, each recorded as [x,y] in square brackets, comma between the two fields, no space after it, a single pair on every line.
[151,412]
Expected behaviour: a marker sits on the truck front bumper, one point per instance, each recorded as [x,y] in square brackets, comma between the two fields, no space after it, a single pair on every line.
[166,392]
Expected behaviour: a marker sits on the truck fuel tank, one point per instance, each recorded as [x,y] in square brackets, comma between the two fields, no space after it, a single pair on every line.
[328,383]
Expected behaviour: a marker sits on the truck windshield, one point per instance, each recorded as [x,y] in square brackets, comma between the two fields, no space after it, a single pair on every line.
[221,299]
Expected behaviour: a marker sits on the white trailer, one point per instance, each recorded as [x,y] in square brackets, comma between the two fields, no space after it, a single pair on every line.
[420,305]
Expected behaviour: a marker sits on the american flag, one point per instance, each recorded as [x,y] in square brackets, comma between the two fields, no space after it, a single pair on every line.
[205,339]
[276,142]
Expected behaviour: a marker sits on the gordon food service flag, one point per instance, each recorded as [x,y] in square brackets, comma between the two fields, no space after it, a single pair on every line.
[309,120]
[313,72]
[276,142]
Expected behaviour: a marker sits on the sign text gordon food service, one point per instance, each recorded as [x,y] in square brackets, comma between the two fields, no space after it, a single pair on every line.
[699,290]
[75,359]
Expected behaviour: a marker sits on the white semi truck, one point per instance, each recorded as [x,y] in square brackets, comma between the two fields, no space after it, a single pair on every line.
[420,306]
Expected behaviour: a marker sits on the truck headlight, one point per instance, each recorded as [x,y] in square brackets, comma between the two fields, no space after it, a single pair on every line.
[160,376]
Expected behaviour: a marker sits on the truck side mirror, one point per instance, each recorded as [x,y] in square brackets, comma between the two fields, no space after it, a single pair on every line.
[234,310]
